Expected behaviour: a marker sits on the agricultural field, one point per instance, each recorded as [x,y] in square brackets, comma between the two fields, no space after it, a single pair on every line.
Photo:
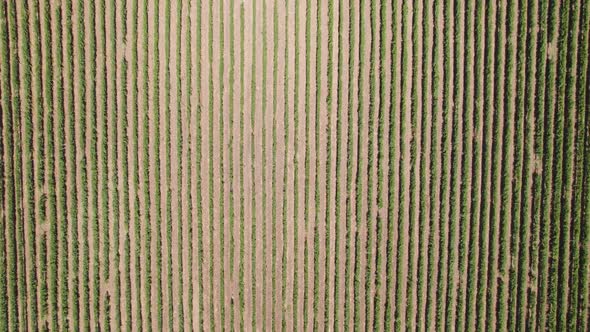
[265,165]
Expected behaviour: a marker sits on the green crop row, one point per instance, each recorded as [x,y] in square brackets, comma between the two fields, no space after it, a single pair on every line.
[284,217]
[332,114]
[316,236]
[275,65]
[338,216]
[349,166]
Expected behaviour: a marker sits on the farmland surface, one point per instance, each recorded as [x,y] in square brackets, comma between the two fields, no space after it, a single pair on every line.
[265,165]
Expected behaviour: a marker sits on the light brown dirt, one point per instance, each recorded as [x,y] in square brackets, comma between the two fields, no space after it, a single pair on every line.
[288,309]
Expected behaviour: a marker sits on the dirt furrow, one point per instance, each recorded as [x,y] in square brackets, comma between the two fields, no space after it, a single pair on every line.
[289,180]
[206,170]
[218,158]
[311,52]
[249,185]
[299,156]
[226,151]
[266,148]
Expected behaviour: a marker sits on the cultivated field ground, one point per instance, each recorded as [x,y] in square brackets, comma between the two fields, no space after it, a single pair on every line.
[298,165]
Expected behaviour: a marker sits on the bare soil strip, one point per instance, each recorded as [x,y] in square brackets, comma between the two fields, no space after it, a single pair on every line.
[288,307]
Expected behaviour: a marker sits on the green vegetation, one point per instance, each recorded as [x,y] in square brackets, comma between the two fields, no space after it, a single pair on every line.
[332,114]
[317,213]
[349,168]
[253,141]
[367,165]
[274,180]
[284,216]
